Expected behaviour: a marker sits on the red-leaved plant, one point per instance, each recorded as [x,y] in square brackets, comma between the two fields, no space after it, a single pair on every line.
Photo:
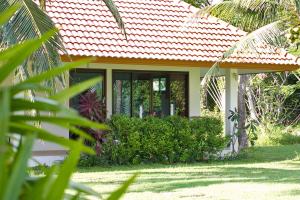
[94,109]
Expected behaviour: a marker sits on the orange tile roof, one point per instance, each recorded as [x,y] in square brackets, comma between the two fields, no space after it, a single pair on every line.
[156,29]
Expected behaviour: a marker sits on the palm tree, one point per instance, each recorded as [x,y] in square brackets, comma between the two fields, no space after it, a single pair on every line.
[31,21]
[273,22]
[267,21]
[199,3]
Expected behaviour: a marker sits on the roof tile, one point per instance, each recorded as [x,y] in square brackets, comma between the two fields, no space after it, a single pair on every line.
[156,29]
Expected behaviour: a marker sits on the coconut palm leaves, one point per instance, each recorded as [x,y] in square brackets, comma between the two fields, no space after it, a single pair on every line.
[267,22]
[199,3]
[27,23]
[250,15]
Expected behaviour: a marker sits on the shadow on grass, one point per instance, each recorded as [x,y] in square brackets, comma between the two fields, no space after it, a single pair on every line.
[225,175]
[166,178]
[161,181]
[270,153]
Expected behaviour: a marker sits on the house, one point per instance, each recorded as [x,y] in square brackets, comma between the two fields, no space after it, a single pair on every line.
[157,69]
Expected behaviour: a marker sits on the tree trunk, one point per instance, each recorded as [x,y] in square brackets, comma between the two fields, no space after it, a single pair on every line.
[203,99]
[118,105]
[251,104]
[242,137]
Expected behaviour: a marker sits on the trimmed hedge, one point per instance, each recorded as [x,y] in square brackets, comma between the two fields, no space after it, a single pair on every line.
[159,140]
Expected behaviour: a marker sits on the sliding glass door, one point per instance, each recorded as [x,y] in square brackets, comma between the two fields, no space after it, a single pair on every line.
[140,94]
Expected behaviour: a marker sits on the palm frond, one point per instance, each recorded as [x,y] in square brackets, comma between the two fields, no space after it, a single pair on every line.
[114,11]
[271,34]
[297,6]
[261,5]
[240,16]
[31,22]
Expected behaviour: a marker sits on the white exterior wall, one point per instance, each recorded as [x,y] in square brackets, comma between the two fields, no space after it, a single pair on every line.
[109,93]
[194,92]
[231,102]
[46,152]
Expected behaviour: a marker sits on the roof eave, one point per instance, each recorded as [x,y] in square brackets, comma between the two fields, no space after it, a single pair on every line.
[184,63]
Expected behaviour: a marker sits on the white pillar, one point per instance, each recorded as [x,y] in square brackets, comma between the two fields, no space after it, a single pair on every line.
[231,99]
[109,89]
[194,92]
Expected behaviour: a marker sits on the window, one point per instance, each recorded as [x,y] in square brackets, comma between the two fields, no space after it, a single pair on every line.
[89,103]
[140,94]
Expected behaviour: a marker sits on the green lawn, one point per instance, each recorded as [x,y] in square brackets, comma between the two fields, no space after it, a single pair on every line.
[263,173]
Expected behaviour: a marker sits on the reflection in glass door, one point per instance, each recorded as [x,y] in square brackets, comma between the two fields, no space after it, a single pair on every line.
[122,94]
[160,97]
[141,86]
[178,94]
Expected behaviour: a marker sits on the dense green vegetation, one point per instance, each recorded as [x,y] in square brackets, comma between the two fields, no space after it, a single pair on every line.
[277,135]
[265,173]
[268,102]
[272,172]
[22,119]
[159,140]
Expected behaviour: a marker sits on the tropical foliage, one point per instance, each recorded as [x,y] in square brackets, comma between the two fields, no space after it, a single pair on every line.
[21,124]
[159,140]
[268,98]
[268,21]
[199,3]
[94,109]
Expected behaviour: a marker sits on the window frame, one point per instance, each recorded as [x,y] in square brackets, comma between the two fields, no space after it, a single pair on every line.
[88,70]
[153,74]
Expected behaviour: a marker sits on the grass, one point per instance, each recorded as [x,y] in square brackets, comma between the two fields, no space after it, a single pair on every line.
[260,173]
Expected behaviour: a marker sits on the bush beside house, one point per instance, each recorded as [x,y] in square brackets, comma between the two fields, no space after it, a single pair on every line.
[159,140]
[274,134]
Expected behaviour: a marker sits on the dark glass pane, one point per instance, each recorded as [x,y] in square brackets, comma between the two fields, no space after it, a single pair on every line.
[141,86]
[163,84]
[79,76]
[178,89]
[122,93]
[160,97]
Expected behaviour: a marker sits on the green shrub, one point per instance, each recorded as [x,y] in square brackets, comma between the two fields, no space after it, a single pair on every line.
[209,134]
[124,141]
[159,140]
[182,138]
[269,134]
